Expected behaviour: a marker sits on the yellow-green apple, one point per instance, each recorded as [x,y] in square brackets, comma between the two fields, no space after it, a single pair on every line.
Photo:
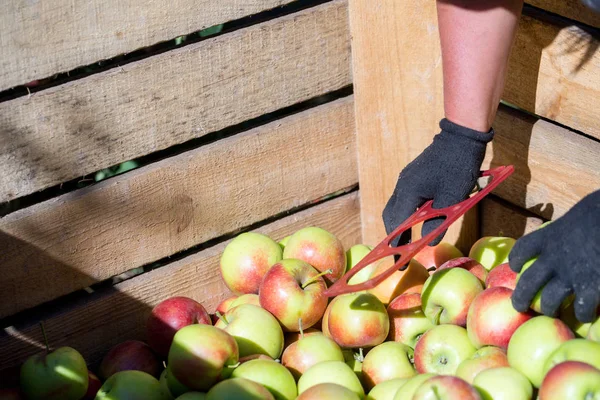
[353,256]
[442,348]
[249,298]
[579,349]
[192,396]
[331,372]
[447,295]
[533,342]
[308,351]
[170,315]
[59,374]
[272,375]
[292,291]
[319,248]
[407,391]
[131,385]
[501,275]
[491,251]
[594,331]
[446,388]
[164,386]
[432,257]
[255,330]
[469,264]
[504,383]
[283,242]
[492,319]
[571,380]
[246,259]
[94,385]
[222,308]
[325,321]
[239,389]
[386,390]
[410,280]
[291,337]
[201,355]
[485,358]
[567,315]
[358,320]
[387,361]
[255,357]
[407,320]
[328,391]
[12,394]
[170,386]
[130,355]
[354,360]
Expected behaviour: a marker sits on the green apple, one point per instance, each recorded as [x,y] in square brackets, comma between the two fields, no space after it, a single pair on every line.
[387,361]
[567,315]
[354,361]
[504,383]
[442,348]
[60,374]
[532,344]
[582,350]
[328,391]
[571,380]
[164,386]
[272,375]
[407,320]
[386,390]
[536,303]
[491,251]
[249,298]
[485,358]
[407,391]
[283,242]
[308,351]
[238,389]
[131,385]
[192,396]
[255,330]
[170,385]
[594,331]
[353,256]
[446,388]
[330,372]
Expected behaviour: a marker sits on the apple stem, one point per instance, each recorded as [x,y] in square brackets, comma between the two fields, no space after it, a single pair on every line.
[45,336]
[222,317]
[300,326]
[314,278]
[360,352]
[438,315]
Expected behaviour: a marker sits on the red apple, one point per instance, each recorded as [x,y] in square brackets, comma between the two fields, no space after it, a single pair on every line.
[255,357]
[441,349]
[432,257]
[328,391]
[319,248]
[469,264]
[503,276]
[571,380]
[308,351]
[94,385]
[292,291]
[130,355]
[446,388]
[485,358]
[410,280]
[292,337]
[170,315]
[407,320]
[222,308]
[387,361]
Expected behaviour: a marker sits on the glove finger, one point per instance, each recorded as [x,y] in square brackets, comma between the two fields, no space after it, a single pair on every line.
[396,211]
[553,294]
[530,282]
[526,248]
[587,300]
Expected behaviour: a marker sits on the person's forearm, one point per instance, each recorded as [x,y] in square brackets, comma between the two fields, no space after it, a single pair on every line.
[476,38]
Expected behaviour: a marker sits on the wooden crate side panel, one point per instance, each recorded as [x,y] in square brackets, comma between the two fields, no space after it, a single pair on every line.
[83,237]
[499,218]
[81,127]
[121,314]
[572,9]
[40,39]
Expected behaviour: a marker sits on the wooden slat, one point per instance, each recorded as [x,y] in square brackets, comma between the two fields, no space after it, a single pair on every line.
[70,242]
[573,9]
[501,219]
[89,124]
[554,167]
[121,314]
[39,39]
[554,72]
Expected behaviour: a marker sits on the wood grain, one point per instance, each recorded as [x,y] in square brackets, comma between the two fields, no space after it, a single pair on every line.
[554,167]
[40,39]
[499,218]
[573,9]
[121,313]
[81,127]
[70,242]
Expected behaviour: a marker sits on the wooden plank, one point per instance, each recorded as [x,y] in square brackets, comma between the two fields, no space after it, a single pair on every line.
[501,219]
[573,9]
[70,242]
[83,126]
[554,72]
[121,313]
[40,39]
[554,167]
[398,101]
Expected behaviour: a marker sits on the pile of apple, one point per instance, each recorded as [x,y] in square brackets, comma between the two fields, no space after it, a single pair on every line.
[444,328]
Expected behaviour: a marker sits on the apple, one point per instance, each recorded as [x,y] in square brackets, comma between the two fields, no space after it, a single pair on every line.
[292,291]
[308,351]
[353,256]
[201,355]
[432,257]
[504,383]
[164,386]
[319,248]
[446,388]
[255,357]
[386,390]
[170,386]
[582,350]
[354,360]
[567,315]
[283,242]
[255,330]
[129,355]
[222,308]
[410,280]
[503,276]
[407,320]
[469,264]
[387,361]
[272,375]
[239,389]
[492,319]
[11,394]
[447,295]
[442,348]
[94,385]
[131,385]
[330,372]
[246,259]
[407,391]
[59,374]
[192,396]
[249,298]
[358,320]
[491,251]
[571,380]
[533,342]
[292,337]
[594,331]
[170,315]
[485,358]
[328,391]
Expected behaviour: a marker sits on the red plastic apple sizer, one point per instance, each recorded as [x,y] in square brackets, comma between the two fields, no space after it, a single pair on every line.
[408,251]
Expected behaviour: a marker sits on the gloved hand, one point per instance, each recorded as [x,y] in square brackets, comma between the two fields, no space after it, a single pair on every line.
[568,261]
[445,172]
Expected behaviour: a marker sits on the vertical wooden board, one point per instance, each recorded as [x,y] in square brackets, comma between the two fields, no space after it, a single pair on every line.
[572,9]
[499,218]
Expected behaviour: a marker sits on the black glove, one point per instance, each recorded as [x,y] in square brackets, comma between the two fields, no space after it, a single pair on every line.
[445,172]
[568,261]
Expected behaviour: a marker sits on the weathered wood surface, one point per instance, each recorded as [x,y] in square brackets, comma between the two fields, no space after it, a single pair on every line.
[572,9]
[499,218]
